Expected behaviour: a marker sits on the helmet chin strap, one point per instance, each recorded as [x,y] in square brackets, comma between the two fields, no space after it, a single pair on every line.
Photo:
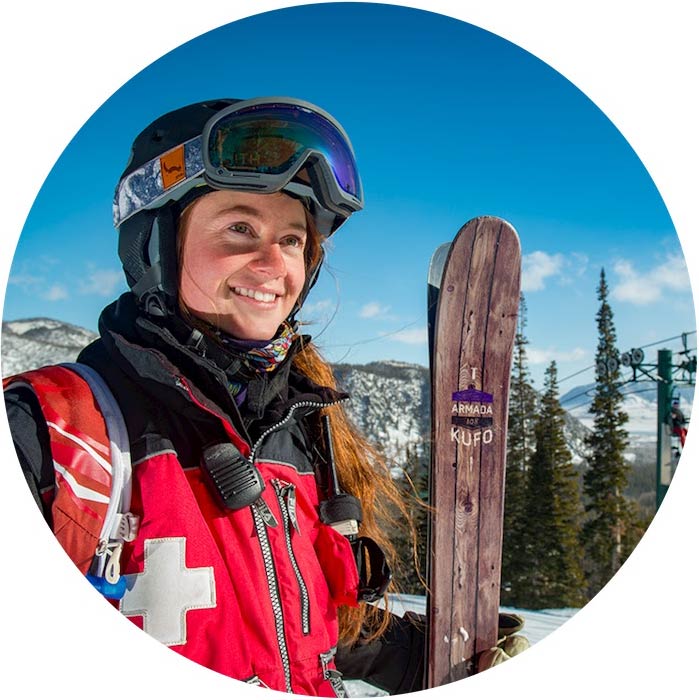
[157,289]
[306,194]
[311,279]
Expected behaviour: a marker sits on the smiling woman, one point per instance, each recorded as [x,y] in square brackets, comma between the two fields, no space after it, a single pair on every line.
[256,532]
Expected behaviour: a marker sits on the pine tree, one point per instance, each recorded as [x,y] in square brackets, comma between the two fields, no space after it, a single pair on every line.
[610,516]
[520,445]
[554,511]
[410,540]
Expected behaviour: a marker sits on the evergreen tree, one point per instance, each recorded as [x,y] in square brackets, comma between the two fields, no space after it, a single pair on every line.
[554,511]
[410,539]
[610,521]
[520,445]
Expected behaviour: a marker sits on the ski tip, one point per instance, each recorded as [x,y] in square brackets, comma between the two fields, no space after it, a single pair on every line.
[489,222]
[437,263]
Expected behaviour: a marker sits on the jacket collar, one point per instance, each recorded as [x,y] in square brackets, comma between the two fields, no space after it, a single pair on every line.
[157,356]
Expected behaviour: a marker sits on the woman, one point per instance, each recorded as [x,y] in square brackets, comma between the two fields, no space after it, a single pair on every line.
[221,213]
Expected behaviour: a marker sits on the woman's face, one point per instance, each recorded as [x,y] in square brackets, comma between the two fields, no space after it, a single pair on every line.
[243,261]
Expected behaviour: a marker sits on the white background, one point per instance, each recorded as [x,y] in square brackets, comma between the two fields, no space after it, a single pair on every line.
[636,61]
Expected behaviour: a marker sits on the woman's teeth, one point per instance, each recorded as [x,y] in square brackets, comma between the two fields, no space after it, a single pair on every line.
[256,295]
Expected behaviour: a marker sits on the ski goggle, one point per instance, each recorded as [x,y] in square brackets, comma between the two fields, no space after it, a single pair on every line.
[263,145]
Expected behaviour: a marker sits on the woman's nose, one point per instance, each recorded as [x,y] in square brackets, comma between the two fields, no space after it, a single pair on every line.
[269,259]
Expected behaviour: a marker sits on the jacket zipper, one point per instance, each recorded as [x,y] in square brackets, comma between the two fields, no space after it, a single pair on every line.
[287,418]
[183,384]
[273,587]
[286,497]
[263,518]
[259,520]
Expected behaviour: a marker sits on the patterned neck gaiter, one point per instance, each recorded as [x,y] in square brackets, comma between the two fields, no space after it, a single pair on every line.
[259,356]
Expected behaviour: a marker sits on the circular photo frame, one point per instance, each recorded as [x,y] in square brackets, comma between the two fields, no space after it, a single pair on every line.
[449,121]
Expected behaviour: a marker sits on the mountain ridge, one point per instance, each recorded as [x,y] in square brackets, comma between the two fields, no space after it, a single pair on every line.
[390,400]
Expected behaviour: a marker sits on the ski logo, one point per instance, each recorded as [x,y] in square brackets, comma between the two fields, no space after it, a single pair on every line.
[471,409]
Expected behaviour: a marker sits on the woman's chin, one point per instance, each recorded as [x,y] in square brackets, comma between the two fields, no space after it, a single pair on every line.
[251,331]
[245,323]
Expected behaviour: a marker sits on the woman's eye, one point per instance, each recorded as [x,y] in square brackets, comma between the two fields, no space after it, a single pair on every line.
[240,228]
[293,241]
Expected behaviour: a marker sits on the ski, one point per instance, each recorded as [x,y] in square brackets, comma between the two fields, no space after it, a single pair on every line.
[476,282]
[434,281]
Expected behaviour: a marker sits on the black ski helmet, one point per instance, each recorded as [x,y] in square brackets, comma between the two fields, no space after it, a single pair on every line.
[147,237]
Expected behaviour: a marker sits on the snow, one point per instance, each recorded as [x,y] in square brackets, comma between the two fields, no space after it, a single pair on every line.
[537,625]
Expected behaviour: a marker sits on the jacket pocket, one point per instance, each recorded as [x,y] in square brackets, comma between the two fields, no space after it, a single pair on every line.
[337,561]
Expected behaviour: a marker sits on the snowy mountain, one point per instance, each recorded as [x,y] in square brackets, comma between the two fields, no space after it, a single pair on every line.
[34,342]
[390,400]
[390,404]
[640,403]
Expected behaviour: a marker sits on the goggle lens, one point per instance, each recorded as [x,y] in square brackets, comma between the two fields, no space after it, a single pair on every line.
[271,139]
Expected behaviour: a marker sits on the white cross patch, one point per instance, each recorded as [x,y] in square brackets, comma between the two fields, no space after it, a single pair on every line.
[167,589]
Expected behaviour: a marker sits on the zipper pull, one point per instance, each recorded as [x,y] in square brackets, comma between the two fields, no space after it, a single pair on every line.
[332,675]
[291,507]
[265,513]
[287,492]
[325,659]
[112,570]
[257,681]
[126,527]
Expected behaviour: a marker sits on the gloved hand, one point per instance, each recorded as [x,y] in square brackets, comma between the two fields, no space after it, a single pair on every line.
[509,642]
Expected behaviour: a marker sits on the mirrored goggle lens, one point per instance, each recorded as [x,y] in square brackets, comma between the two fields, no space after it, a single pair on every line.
[271,139]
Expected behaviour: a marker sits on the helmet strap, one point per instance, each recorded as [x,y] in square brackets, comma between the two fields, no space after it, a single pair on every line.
[311,279]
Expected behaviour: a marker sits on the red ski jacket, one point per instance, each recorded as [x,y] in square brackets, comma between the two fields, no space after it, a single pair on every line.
[250,593]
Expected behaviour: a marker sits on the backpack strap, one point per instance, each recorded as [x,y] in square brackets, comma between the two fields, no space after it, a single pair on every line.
[120,525]
[92,466]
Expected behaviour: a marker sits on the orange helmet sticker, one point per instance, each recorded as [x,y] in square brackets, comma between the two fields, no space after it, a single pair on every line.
[172,167]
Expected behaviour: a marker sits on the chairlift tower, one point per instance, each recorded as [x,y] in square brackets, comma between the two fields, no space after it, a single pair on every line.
[662,374]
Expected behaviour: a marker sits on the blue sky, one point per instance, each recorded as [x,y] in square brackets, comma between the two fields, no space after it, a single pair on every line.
[448,122]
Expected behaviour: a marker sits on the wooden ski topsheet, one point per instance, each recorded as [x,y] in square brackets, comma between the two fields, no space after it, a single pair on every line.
[474,337]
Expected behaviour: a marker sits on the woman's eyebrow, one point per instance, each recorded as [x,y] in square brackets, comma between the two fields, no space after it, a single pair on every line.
[247,210]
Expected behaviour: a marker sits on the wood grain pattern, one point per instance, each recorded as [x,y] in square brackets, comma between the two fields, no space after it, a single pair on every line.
[474,337]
